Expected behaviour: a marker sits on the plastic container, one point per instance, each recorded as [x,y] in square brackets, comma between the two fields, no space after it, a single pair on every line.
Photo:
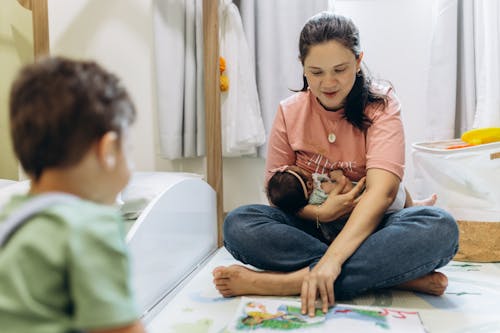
[467,182]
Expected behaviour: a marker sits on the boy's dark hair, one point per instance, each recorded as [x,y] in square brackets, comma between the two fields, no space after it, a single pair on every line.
[59,107]
[325,27]
[285,192]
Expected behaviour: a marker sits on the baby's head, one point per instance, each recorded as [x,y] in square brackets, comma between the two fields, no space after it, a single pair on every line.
[61,108]
[289,188]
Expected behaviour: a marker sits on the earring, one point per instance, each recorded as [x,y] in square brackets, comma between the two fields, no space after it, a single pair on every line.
[110,161]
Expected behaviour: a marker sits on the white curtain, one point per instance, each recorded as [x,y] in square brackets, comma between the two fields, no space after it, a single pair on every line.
[178,40]
[272,28]
[464,73]
[487,19]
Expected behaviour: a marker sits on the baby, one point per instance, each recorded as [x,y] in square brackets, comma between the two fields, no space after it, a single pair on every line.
[291,188]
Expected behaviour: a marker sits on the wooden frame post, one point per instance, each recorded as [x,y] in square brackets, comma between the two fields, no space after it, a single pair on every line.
[39,12]
[40,28]
[213,136]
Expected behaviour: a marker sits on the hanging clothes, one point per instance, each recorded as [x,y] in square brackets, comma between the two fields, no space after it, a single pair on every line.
[242,125]
[178,42]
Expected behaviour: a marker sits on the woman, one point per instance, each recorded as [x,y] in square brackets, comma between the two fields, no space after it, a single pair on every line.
[340,120]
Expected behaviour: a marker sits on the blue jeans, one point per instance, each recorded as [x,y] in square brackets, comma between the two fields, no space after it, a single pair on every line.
[407,244]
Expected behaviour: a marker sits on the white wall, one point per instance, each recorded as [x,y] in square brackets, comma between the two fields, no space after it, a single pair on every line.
[16,50]
[118,33]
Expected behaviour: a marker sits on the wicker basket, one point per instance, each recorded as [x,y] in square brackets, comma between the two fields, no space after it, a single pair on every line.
[478,241]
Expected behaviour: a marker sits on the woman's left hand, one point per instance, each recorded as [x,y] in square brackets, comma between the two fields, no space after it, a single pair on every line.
[319,282]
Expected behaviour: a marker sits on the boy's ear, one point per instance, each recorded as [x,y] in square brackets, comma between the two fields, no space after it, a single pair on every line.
[107,150]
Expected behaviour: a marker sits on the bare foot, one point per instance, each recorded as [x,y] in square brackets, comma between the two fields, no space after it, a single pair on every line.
[236,280]
[434,283]
[430,201]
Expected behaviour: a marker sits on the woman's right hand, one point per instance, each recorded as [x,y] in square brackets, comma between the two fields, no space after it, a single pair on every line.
[318,284]
[338,204]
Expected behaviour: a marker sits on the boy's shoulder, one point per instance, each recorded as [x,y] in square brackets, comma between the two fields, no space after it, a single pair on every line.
[68,216]
[79,210]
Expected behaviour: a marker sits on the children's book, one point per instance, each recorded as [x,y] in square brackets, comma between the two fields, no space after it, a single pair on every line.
[274,315]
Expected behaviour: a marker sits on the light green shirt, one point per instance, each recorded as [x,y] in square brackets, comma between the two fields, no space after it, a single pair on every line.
[65,269]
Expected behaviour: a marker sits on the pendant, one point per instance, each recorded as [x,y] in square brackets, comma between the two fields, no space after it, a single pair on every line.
[331,138]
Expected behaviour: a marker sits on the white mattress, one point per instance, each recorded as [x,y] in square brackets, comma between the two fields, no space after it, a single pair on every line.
[470,304]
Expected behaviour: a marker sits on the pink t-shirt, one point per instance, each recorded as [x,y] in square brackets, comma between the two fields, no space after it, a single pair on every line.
[299,136]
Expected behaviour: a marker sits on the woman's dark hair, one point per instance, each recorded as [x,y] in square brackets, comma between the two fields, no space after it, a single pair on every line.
[59,107]
[325,27]
[285,191]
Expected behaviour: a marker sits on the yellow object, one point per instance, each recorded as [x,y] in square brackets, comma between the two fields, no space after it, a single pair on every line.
[482,135]
[224,82]
[222,64]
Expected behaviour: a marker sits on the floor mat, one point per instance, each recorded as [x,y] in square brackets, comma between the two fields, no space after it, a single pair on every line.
[470,304]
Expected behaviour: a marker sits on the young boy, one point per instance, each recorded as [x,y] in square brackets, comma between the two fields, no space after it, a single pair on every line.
[66,268]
